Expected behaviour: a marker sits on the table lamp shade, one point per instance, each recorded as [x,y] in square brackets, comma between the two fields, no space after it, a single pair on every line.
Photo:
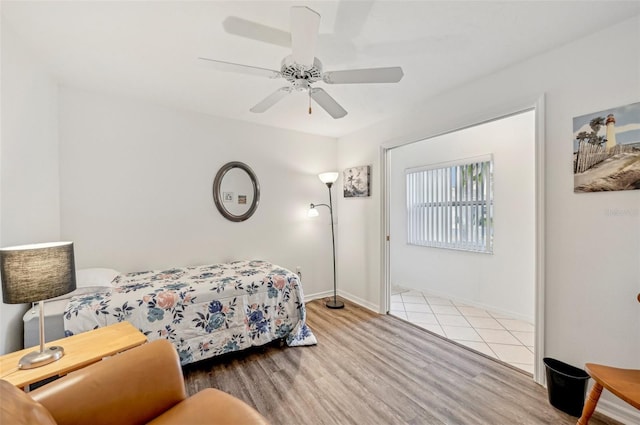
[37,272]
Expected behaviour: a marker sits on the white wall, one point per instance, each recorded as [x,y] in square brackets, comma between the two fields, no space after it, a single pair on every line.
[30,210]
[592,262]
[136,188]
[504,280]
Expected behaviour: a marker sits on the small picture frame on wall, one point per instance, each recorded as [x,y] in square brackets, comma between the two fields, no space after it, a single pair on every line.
[242,199]
[356,181]
[227,196]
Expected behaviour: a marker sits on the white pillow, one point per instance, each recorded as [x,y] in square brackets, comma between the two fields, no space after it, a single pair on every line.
[89,278]
[81,291]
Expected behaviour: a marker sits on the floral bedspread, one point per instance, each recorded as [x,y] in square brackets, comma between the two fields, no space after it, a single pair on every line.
[205,310]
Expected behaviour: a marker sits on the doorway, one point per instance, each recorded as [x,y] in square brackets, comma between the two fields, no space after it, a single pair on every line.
[487,301]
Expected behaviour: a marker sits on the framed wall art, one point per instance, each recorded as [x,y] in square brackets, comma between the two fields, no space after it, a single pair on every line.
[356,181]
[606,150]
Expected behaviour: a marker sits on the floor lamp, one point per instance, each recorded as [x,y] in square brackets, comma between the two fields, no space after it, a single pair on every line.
[33,273]
[329,179]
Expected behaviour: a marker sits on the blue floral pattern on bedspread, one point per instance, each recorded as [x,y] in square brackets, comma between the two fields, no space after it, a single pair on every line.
[204,311]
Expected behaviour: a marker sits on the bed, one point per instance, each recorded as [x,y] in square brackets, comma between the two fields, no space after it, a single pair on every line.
[204,311]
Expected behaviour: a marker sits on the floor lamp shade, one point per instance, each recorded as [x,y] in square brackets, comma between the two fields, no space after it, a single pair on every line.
[33,273]
[329,177]
[37,272]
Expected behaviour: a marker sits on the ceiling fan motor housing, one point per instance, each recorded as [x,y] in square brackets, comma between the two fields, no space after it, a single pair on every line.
[300,75]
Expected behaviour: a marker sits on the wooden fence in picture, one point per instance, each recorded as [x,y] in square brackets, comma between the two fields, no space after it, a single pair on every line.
[589,155]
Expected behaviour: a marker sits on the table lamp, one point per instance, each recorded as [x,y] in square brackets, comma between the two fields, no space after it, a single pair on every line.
[33,273]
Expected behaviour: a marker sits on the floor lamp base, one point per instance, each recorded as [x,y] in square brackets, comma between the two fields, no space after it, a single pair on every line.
[333,303]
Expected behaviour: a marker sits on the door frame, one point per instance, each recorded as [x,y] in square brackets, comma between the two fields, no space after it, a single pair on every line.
[537,105]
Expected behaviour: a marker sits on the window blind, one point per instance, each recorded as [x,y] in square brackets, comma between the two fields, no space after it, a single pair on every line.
[451,206]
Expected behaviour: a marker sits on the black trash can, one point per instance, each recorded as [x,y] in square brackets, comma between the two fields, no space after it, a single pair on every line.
[566,385]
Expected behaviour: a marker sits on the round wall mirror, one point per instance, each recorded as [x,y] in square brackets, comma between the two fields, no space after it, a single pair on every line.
[236,191]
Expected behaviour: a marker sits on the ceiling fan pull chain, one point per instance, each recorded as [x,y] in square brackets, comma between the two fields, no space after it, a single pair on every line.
[309,91]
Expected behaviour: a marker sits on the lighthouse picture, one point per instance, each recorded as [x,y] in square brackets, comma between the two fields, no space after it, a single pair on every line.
[606,150]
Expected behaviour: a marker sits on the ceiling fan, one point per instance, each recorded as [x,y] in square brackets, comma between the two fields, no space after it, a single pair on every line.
[302,68]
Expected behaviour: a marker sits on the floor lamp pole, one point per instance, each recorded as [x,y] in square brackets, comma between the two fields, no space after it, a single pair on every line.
[333,303]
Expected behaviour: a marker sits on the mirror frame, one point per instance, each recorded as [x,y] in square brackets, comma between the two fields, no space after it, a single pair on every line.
[217,196]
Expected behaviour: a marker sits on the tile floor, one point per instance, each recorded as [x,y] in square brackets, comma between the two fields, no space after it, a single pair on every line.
[501,337]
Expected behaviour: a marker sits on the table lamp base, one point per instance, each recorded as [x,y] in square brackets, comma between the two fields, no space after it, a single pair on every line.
[41,358]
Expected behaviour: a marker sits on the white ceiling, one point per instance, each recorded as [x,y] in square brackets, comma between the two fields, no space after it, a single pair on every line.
[148,49]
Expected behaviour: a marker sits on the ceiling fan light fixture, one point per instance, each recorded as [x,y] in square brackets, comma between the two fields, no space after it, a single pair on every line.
[301,85]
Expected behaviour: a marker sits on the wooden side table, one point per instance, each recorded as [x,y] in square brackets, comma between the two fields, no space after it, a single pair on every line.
[79,351]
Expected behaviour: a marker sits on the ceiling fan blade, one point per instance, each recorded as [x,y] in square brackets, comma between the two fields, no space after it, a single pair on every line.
[304,35]
[351,18]
[327,103]
[255,31]
[243,69]
[271,100]
[359,76]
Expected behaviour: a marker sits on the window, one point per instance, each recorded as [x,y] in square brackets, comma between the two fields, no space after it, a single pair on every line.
[451,205]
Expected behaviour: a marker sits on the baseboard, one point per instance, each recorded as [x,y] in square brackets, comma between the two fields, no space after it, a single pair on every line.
[361,302]
[317,295]
[625,414]
[350,297]
[482,306]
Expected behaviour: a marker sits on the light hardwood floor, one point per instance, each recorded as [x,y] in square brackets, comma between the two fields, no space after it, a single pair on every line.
[376,369]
